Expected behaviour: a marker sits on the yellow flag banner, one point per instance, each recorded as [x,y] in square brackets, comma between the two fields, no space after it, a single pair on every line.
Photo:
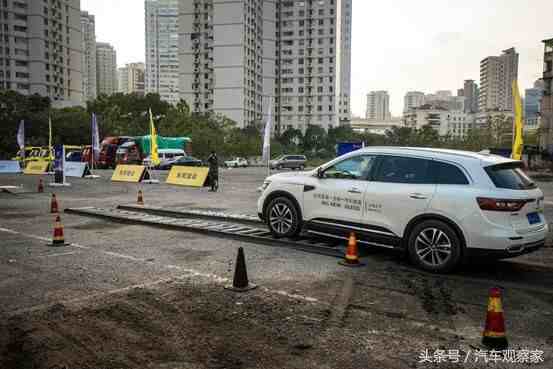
[519,125]
[36,167]
[153,141]
[187,176]
[129,173]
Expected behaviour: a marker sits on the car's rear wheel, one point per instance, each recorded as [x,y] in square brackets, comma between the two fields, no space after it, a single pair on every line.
[434,246]
[283,218]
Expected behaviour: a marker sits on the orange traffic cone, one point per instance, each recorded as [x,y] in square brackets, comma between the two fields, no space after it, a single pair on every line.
[494,333]
[140,200]
[54,204]
[352,257]
[40,186]
[58,239]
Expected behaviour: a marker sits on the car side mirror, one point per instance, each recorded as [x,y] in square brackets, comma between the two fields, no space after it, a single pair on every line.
[320,173]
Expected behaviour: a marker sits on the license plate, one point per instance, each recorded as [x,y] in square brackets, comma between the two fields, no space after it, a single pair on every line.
[533,218]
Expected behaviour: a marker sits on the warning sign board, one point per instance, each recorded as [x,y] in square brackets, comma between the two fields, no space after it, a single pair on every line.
[9,166]
[187,176]
[36,167]
[130,173]
[76,169]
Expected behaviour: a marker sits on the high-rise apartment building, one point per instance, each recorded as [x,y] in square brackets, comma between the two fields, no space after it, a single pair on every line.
[470,93]
[238,57]
[41,49]
[497,74]
[546,106]
[106,69]
[532,100]
[313,63]
[88,29]
[227,57]
[131,79]
[413,99]
[162,48]
[378,106]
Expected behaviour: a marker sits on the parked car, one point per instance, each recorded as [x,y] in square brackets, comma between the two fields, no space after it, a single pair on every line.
[441,206]
[73,152]
[166,156]
[74,156]
[184,161]
[236,162]
[289,162]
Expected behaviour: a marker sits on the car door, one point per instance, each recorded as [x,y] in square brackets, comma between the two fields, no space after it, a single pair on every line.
[334,203]
[401,188]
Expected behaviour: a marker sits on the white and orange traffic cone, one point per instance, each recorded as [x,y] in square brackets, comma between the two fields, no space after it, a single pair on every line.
[352,255]
[494,336]
[58,239]
[54,204]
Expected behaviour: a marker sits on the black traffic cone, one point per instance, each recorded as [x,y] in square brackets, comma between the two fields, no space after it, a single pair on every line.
[240,281]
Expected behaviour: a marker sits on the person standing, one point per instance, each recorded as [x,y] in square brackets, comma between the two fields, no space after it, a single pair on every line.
[213,174]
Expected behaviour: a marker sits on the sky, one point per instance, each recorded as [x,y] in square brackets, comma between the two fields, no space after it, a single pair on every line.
[397,45]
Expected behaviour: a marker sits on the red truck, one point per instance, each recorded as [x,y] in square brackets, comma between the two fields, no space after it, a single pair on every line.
[108,149]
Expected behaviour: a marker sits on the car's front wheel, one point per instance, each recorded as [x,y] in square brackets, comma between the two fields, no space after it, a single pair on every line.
[283,218]
[434,246]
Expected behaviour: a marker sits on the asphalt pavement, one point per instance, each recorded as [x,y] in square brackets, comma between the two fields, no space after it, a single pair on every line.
[117,288]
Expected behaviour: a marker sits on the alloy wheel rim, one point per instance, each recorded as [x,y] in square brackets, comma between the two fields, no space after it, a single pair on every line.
[281,218]
[433,247]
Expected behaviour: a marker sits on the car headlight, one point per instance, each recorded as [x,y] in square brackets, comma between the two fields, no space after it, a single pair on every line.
[264,186]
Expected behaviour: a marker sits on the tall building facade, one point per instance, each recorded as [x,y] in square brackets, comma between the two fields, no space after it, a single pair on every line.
[413,99]
[162,48]
[497,74]
[227,57]
[378,106]
[546,107]
[240,57]
[131,79]
[106,69]
[532,100]
[88,29]
[471,94]
[41,49]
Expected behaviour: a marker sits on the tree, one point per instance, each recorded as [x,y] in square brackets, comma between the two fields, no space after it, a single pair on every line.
[500,130]
[290,139]
[314,140]
[400,136]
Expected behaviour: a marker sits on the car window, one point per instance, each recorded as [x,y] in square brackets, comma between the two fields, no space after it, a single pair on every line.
[398,169]
[509,176]
[447,174]
[357,167]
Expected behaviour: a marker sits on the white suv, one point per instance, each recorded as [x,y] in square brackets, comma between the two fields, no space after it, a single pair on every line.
[439,205]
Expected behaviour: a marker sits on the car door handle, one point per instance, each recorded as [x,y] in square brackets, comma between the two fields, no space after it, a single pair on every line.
[418,196]
[354,190]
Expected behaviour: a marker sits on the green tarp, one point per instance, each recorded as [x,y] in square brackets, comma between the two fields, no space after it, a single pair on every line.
[162,143]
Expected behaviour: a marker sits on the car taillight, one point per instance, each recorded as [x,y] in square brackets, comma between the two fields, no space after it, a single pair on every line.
[490,204]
